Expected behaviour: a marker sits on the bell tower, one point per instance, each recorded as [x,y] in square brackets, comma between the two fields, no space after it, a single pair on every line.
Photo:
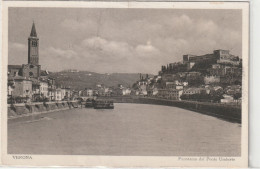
[33,47]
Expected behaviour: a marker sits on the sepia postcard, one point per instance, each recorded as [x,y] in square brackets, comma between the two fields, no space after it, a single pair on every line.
[125,84]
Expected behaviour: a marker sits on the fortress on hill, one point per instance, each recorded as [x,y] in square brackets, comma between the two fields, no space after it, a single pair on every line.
[218,56]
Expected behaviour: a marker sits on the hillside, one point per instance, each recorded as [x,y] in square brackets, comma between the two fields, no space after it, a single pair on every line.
[85,79]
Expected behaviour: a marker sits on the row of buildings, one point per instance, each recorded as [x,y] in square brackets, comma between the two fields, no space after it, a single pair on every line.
[103,91]
[177,90]
[218,75]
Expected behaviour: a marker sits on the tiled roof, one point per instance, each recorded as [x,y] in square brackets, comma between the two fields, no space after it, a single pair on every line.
[14,66]
[19,78]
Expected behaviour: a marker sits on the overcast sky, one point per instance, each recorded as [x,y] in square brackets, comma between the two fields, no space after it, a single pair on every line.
[121,40]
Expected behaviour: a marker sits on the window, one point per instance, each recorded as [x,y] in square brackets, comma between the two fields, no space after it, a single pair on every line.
[34,43]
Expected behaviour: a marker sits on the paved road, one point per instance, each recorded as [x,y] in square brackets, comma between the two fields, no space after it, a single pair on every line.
[129,129]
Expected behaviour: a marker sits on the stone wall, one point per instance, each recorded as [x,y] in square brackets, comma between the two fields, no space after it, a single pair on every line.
[22,109]
[226,112]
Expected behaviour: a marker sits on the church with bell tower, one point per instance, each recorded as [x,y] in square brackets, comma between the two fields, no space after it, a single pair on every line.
[32,69]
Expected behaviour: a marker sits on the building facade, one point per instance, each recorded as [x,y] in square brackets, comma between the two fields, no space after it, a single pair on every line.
[44,89]
[14,70]
[22,87]
[51,88]
[193,90]
[58,94]
[173,94]
[211,79]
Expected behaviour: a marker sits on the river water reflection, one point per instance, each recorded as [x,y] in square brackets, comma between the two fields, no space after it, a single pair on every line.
[129,129]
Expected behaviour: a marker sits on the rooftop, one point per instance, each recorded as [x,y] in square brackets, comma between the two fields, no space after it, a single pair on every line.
[14,66]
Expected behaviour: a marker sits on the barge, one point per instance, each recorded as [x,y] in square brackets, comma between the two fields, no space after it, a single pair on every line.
[89,104]
[103,104]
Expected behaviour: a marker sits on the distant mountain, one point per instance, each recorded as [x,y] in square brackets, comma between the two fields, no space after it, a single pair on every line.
[85,79]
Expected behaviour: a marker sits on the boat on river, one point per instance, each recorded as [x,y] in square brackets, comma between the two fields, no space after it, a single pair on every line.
[89,103]
[103,104]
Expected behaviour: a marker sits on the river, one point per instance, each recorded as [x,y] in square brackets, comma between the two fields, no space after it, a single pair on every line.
[129,129]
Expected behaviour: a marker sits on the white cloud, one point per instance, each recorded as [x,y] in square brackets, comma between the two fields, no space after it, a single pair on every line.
[140,44]
[178,22]
[98,48]
[106,56]
[60,53]
[94,42]
[147,50]
[186,19]
[76,25]
[123,40]
[17,46]
[206,26]
[17,53]
[117,49]
[101,44]
[181,31]
[122,56]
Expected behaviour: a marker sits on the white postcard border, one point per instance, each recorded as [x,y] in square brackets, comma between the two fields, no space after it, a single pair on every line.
[128,161]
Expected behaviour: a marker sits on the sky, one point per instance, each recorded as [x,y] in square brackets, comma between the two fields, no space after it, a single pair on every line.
[121,40]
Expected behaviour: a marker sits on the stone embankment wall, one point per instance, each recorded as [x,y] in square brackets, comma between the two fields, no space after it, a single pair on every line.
[22,109]
[231,113]
[226,112]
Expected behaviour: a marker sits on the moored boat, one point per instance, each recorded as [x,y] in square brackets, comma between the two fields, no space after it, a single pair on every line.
[103,104]
[89,103]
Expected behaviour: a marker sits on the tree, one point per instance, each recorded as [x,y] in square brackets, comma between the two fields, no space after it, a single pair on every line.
[203,65]
[134,86]
[217,98]
[237,96]
[184,97]
[237,82]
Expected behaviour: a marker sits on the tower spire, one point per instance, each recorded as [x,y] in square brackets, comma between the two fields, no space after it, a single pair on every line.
[33,31]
